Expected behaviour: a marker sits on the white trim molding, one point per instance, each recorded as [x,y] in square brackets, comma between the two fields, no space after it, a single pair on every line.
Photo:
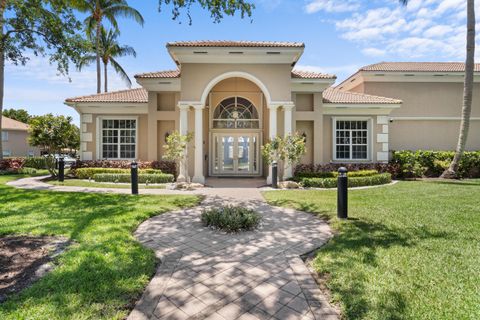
[432,118]
[235,74]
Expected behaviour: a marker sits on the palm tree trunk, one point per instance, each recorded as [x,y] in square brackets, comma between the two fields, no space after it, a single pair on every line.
[452,171]
[105,70]
[3,5]
[99,72]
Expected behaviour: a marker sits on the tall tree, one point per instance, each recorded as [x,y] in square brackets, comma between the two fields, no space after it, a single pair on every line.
[98,11]
[40,27]
[110,50]
[17,114]
[217,8]
[452,171]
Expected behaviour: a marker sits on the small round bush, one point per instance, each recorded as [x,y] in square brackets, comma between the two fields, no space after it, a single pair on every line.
[230,218]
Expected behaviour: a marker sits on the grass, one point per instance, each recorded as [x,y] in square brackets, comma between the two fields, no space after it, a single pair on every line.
[104,272]
[408,251]
[93,184]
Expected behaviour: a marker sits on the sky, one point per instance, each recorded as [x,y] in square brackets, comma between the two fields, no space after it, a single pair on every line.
[340,37]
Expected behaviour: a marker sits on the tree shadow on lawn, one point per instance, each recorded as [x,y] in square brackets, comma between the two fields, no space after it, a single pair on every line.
[358,243]
[104,271]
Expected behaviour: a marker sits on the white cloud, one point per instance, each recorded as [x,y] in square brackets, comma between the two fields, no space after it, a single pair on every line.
[433,29]
[373,52]
[332,6]
[438,31]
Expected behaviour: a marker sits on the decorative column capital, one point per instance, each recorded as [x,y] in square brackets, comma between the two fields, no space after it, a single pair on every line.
[198,106]
[289,106]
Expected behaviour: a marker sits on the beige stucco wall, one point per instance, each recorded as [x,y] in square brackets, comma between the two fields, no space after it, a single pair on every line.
[17,144]
[196,77]
[428,100]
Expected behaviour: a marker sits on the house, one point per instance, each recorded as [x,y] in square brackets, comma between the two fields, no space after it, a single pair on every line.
[14,139]
[236,95]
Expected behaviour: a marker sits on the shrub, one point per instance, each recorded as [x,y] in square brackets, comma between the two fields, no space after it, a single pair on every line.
[333,174]
[125,177]
[230,218]
[414,164]
[35,162]
[359,181]
[164,166]
[85,173]
[11,164]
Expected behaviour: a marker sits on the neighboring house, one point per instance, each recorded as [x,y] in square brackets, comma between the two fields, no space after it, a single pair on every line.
[14,139]
[235,95]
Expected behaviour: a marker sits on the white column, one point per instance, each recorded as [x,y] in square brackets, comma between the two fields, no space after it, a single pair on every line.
[183,129]
[288,117]
[272,132]
[198,176]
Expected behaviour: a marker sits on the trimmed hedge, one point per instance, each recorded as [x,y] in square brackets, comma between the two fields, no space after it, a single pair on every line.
[359,181]
[165,166]
[334,174]
[415,164]
[86,173]
[125,177]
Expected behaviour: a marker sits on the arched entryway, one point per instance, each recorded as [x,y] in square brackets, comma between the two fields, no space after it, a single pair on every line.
[235,128]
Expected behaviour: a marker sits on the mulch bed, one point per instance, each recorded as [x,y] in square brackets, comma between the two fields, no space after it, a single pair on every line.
[25,259]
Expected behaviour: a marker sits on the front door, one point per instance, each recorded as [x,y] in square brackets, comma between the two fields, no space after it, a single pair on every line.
[236,154]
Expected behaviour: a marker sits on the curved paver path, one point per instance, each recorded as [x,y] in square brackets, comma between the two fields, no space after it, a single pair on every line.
[206,274]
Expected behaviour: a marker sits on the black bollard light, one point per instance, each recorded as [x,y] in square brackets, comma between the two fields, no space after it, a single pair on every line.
[342,193]
[274,175]
[134,177]
[61,169]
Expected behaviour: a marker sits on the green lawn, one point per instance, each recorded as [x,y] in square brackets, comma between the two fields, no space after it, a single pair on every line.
[409,251]
[93,184]
[104,272]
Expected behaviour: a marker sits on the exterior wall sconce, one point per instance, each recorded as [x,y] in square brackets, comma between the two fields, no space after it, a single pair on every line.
[304,135]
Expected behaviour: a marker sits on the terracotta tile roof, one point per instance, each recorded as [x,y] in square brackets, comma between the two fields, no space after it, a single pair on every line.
[10,124]
[419,67]
[138,95]
[226,43]
[303,74]
[296,74]
[332,95]
[159,74]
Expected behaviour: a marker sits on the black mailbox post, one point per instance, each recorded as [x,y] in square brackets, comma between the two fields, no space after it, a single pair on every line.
[342,193]
[274,175]
[61,169]
[134,177]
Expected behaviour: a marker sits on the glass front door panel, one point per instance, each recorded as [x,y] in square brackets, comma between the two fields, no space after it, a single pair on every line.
[227,154]
[235,154]
[243,154]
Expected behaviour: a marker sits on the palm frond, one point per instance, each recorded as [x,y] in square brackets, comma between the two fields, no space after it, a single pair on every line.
[86,61]
[122,10]
[121,72]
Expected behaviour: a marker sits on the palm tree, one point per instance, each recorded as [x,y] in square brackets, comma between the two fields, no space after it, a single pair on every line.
[110,49]
[452,170]
[98,11]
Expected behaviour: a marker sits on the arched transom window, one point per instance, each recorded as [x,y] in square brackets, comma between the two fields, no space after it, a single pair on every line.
[236,113]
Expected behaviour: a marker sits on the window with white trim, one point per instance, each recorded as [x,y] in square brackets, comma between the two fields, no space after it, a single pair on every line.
[119,138]
[4,136]
[351,139]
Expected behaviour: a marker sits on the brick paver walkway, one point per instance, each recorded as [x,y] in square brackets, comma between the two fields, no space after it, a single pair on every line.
[205,274]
